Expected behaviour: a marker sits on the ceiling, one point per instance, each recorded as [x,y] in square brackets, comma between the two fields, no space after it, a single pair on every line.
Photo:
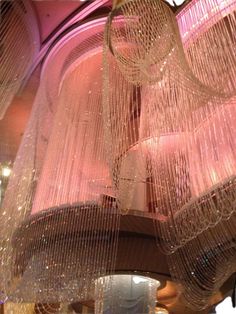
[51,14]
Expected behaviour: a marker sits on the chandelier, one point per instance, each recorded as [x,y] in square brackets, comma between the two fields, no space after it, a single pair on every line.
[149,126]
[172,137]
[64,220]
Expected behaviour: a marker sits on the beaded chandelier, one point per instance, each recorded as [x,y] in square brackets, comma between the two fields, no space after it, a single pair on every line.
[149,126]
[64,223]
[173,139]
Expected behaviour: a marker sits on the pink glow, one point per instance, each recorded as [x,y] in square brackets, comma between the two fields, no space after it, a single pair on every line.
[74,169]
[213,169]
[200,15]
[61,51]
[168,143]
[209,151]
[213,159]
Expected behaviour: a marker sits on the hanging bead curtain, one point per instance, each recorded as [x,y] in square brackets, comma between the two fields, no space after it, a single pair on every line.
[179,147]
[19,44]
[211,256]
[143,54]
[154,123]
[64,220]
[210,49]
[22,185]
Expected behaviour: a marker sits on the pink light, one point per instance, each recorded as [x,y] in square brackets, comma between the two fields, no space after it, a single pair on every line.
[209,150]
[200,15]
[168,143]
[213,160]
[74,169]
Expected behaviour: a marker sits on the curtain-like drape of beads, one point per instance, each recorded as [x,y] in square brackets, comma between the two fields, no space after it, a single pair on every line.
[19,45]
[64,222]
[171,128]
